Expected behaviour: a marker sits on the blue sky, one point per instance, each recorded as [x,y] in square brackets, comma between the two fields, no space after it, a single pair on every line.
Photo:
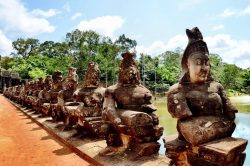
[156,25]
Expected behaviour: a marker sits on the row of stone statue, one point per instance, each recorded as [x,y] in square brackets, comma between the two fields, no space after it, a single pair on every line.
[124,115]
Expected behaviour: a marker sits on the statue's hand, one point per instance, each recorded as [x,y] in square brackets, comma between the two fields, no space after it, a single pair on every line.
[122,128]
[117,121]
[148,108]
[119,126]
[231,115]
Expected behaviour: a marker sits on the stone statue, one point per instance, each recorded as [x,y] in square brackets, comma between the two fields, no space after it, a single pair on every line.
[130,122]
[204,113]
[22,94]
[30,91]
[44,96]
[86,111]
[56,87]
[38,86]
[16,93]
[65,96]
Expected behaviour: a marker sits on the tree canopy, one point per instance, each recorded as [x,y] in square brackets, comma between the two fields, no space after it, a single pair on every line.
[33,59]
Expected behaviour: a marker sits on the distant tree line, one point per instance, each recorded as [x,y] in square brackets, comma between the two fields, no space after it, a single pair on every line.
[33,59]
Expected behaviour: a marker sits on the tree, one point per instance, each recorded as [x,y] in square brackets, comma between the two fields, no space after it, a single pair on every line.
[169,70]
[232,77]
[125,44]
[52,49]
[25,48]
[6,62]
[217,67]
[83,47]
[147,66]
[36,73]
[107,58]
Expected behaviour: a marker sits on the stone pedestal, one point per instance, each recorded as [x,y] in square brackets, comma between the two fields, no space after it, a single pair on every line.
[45,110]
[90,126]
[227,151]
[56,112]
[145,149]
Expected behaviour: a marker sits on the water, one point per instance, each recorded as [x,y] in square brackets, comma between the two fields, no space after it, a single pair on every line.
[242,103]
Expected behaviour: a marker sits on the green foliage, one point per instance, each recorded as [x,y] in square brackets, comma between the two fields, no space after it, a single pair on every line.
[232,92]
[170,69]
[6,62]
[246,77]
[25,48]
[217,66]
[52,49]
[36,73]
[246,80]
[80,47]
[161,71]
[232,77]
[125,44]
[33,60]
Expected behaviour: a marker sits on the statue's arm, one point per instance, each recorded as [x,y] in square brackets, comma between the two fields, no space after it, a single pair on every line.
[177,104]
[110,109]
[228,109]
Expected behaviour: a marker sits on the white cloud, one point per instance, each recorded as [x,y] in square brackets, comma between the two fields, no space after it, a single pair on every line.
[159,47]
[177,41]
[46,14]
[66,7]
[235,12]
[76,15]
[228,12]
[154,49]
[105,25]
[231,50]
[245,11]
[217,27]
[14,17]
[5,45]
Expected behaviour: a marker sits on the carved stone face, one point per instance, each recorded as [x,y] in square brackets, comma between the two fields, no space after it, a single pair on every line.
[70,84]
[48,82]
[198,67]
[129,76]
[72,72]
[92,75]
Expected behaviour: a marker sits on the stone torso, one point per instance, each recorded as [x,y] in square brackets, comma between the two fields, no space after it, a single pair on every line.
[132,97]
[91,97]
[203,99]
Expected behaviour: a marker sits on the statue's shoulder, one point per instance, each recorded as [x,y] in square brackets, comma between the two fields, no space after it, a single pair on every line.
[111,89]
[216,85]
[174,88]
[100,90]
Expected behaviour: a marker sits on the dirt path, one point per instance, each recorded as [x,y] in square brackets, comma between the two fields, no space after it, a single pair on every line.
[24,143]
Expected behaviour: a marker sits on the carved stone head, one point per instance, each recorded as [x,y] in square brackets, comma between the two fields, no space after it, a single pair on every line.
[57,81]
[72,79]
[39,83]
[92,75]
[195,60]
[71,73]
[128,72]
[48,82]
